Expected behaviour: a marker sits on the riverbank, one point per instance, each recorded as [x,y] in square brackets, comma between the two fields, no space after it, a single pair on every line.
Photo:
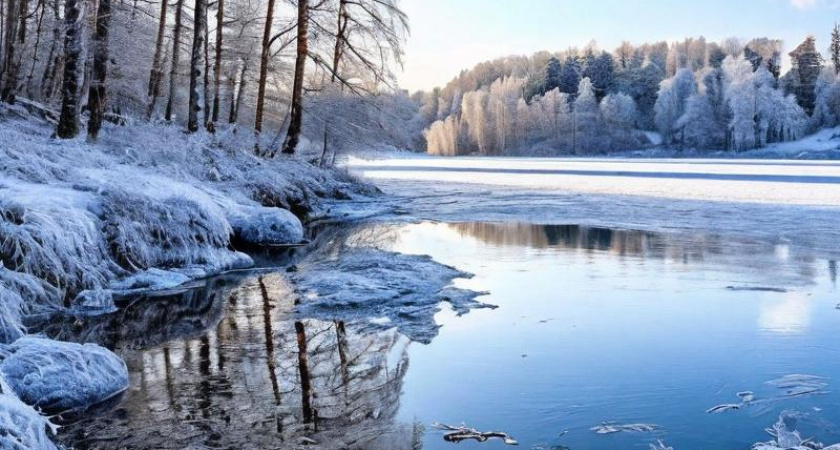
[146,207]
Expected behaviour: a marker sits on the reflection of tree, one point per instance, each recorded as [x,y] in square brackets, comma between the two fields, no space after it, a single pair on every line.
[682,247]
[221,386]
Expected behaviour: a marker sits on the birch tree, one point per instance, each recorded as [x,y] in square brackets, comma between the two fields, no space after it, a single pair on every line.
[197,66]
[68,123]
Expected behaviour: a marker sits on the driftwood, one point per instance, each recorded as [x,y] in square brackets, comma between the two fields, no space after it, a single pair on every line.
[723,408]
[610,428]
[463,433]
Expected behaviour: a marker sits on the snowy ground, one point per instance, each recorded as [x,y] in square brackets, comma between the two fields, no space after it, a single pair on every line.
[790,203]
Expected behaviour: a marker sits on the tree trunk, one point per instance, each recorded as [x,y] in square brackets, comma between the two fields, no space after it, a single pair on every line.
[9,73]
[156,74]
[38,29]
[97,96]
[269,19]
[54,58]
[340,36]
[197,65]
[68,123]
[235,105]
[296,114]
[176,53]
[206,84]
[303,370]
[217,63]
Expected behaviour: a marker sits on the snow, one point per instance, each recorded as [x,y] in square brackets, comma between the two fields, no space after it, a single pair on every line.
[83,218]
[22,427]
[60,376]
[146,208]
[267,226]
[791,204]
[400,291]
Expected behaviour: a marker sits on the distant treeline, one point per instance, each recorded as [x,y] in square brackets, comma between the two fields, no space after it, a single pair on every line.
[697,94]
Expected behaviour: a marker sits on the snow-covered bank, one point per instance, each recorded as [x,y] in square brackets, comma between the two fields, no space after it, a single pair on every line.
[147,207]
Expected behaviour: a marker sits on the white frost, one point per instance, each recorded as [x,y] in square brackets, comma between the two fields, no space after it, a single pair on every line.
[60,376]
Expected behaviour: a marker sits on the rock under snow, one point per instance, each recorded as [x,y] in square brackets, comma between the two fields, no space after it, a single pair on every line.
[21,427]
[367,286]
[59,376]
[267,226]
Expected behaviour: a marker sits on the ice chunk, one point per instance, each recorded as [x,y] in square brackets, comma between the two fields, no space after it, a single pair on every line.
[60,376]
[21,427]
[359,284]
[259,225]
[94,301]
[151,279]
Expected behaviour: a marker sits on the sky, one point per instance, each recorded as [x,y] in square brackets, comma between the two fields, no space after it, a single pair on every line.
[448,36]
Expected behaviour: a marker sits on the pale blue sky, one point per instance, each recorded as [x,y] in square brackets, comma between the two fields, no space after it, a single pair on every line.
[450,35]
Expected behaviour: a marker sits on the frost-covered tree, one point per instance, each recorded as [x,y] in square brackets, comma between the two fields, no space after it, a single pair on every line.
[442,137]
[74,50]
[474,114]
[706,119]
[586,117]
[671,103]
[197,66]
[834,48]
[827,107]
[619,111]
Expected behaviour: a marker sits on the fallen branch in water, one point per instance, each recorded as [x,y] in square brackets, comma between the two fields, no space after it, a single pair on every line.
[464,433]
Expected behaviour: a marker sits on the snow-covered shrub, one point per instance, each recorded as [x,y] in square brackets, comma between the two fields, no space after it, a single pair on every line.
[57,376]
[273,226]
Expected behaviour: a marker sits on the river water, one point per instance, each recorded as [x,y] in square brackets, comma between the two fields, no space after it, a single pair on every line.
[594,325]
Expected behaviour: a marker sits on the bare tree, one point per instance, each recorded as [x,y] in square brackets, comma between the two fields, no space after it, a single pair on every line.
[54,58]
[296,112]
[264,54]
[12,35]
[68,122]
[97,96]
[369,35]
[217,63]
[156,74]
[197,65]
[176,52]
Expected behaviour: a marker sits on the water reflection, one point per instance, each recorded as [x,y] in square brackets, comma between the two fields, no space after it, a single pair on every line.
[595,325]
[253,377]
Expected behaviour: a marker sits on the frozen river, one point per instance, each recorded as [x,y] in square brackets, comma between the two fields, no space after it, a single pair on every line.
[621,301]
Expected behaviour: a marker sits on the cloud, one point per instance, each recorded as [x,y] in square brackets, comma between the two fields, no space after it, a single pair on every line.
[803,4]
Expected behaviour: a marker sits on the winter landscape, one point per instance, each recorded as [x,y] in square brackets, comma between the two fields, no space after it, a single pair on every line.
[419,224]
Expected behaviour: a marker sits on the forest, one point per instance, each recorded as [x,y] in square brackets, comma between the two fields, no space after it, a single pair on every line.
[284,69]
[319,76]
[699,95]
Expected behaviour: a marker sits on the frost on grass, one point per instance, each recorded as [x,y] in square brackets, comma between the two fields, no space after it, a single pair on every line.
[381,289]
[83,218]
[60,376]
[21,427]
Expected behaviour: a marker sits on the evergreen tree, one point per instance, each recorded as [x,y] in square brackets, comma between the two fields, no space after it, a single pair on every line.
[553,75]
[571,77]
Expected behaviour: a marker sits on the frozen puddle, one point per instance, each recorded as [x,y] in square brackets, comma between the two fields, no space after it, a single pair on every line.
[632,333]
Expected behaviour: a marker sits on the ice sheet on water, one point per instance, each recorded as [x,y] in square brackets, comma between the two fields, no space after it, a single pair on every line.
[22,427]
[59,376]
[361,284]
